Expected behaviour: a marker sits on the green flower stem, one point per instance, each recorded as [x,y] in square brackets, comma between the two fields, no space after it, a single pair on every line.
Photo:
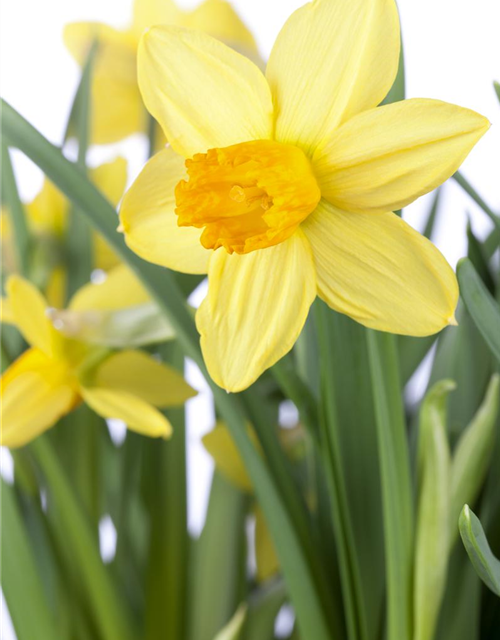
[397,500]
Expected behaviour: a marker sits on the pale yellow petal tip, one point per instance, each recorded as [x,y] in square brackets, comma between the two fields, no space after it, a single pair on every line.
[452,321]
[120,228]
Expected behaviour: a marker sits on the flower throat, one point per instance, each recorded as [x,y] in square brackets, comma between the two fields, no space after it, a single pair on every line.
[247,196]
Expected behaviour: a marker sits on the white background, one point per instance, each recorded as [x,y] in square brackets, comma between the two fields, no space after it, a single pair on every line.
[452,52]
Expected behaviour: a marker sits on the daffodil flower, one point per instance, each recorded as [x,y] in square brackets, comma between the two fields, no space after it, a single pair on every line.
[57,373]
[117,107]
[282,186]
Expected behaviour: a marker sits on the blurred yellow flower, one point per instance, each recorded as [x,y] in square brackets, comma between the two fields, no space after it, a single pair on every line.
[117,107]
[47,216]
[290,180]
[57,373]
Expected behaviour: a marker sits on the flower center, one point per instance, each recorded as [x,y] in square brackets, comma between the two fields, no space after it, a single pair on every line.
[248,196]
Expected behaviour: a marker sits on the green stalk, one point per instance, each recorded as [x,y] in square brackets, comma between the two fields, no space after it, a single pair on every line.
[23,589]
[111,618]
[309,596]
[397,500]
[15,210]
[350,575]
[79,233]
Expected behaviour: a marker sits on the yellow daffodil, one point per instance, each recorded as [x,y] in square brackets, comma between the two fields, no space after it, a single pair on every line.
[282,186]
[57,373]
[117,107]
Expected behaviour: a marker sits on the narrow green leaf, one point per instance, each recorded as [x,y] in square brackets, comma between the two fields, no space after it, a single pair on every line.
[469,189]
[397,499]
[232,631]
[352,594]
[296,551]
[479,258]
[21,582]
[478,549]
[263,607]
[79,233]
[218,561]
[432,537]
[496,86]
[432,215]
[15,210]
[472,455]
[480,304]
[111,616]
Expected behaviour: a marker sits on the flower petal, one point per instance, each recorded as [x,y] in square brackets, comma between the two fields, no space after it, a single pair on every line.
[28,308]
[219,19]
[137,414]
[385,158]
[255,309]
[150,223]
[150,12]
[381,272]
[48,211]
[220,445]
[34,396]
[117,109]
[203,93]
[332,60]
[141,375]
[120,289]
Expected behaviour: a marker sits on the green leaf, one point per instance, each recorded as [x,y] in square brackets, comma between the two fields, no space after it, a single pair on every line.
[15,210]
[397,500]
[263,607]
[275,489]
[469,189]
[21,582]
[478,549]
[480,304]
[496,86]
[479,258]
[218,561]
[110,614]
[432,537]
[232,631]
[473,453]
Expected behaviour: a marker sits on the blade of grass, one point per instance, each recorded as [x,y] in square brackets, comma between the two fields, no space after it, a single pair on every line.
[397,499]
[480,304]
[21,582]
[311,599]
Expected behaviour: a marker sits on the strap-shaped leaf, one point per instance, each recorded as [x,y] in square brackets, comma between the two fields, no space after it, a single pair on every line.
[482,307]
[478,549]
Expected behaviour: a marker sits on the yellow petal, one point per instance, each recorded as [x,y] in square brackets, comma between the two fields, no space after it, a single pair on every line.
[227,458]
[117,109]
[120,289]
[383,159]
[150,12]
[203,93]
[34,396]
[28,308]
[56,288]
[255,309]
[137,414]
[6,313]
[379,271]
[111,179]
[150,224]
[139,374]
[265,551]
[332,60]
[47,212]
[219,19]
